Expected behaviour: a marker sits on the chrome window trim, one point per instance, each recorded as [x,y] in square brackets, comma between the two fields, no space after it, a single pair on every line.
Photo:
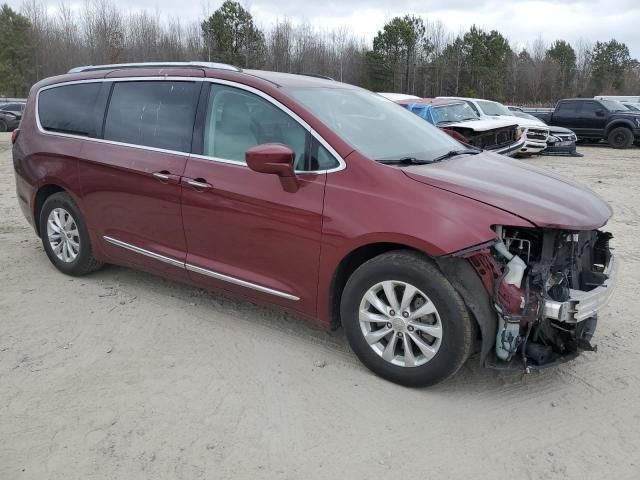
[200,270]
[341,162]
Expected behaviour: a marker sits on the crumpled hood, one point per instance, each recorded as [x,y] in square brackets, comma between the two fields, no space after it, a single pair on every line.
[539,196]
[481,125]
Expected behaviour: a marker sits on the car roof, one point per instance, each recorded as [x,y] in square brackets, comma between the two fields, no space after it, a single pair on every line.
[194,69]
[395,97]
[296,79]
[581,100]
[431,101]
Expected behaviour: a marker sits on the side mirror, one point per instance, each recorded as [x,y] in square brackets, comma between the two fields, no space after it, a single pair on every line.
[599,113]
[276,159]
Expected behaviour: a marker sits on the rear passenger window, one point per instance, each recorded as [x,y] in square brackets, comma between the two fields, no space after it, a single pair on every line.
[76,109]
[156,114]
[568,108]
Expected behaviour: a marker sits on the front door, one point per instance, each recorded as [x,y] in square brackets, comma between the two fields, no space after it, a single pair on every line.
[131,180]
[244,233]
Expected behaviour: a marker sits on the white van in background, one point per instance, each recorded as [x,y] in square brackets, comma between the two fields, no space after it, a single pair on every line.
[619,98]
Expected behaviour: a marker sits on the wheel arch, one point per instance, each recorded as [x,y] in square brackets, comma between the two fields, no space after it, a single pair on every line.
[619,123]
[349,263]
[44,192]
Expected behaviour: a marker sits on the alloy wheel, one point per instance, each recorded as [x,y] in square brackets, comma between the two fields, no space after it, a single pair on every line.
[63,235]
[400,323]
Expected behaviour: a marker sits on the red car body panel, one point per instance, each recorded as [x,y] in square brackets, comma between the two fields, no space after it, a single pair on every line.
[123,200]
[247,227]
[545,199]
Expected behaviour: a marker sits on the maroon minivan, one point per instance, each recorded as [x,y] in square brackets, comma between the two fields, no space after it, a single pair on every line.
[321,198]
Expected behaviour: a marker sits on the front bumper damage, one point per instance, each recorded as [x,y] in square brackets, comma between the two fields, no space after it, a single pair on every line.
[545,288]
[583,305]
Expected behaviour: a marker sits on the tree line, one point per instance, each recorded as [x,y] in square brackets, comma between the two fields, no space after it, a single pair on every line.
[408,55]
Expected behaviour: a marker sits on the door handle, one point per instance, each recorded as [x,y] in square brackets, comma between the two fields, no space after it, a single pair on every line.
[162,176]
[166,177]
[198,183]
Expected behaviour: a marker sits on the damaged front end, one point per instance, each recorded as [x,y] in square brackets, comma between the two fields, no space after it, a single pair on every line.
[546,287]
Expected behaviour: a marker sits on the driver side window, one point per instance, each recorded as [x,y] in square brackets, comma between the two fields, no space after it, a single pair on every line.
[238,120]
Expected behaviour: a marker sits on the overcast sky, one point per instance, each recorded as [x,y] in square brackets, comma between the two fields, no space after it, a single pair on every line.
[521,21]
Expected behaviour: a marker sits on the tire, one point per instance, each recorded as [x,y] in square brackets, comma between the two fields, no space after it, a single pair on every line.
[3,126]
[620,137]
[401,268]
[62,210]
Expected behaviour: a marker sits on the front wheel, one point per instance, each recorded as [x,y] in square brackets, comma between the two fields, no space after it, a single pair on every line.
[405,321]
[3,126]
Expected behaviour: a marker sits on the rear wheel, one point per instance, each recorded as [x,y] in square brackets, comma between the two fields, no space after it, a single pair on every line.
[65,236]
[405,321]
[620,137]
[3,126]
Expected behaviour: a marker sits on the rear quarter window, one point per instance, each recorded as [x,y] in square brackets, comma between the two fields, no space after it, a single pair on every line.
[75,109]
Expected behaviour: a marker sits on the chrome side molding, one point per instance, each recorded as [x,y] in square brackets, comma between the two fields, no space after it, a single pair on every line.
[200,270]
[142,251]
[237,281]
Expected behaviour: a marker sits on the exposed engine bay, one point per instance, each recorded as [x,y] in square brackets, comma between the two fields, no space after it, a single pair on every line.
[546,287]
[492,139]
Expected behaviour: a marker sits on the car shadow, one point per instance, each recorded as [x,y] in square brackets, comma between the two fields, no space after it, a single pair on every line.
[472,378]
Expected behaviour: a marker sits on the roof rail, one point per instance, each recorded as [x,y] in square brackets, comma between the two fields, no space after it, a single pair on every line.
[316,75]
[92,68]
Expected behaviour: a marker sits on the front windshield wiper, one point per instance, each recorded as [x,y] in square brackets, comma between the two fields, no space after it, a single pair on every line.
[403,161]
[455,153]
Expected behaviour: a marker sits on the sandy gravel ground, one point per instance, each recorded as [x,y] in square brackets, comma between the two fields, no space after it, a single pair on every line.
[123,375]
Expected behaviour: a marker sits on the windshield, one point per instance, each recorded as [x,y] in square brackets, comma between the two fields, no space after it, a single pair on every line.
[613,106]
[493,108]
[373,125]
[632,106]
[455,113]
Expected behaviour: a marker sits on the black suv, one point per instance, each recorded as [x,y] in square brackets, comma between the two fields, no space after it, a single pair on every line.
[594,119]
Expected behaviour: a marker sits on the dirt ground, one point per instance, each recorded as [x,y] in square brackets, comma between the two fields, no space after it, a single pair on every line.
[124,375]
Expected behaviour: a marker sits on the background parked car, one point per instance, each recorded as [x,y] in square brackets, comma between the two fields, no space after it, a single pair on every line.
[561,141]
[9,121]
[634,107]
[535,134]
[619,98]
[593,120]
[458,119]
[13,107]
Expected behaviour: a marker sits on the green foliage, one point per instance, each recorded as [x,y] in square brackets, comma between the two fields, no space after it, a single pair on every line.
[232,37]
[609,60]
[399,45]
[15,48]
[379,76]
[486,60]
[565,56]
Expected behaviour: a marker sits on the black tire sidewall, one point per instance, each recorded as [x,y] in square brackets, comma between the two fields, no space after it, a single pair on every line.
[620,130]
[84,259]
[456,337]
[4,126]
